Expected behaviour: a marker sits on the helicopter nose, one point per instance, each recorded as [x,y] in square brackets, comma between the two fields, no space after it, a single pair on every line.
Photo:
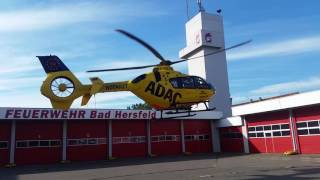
[212,88]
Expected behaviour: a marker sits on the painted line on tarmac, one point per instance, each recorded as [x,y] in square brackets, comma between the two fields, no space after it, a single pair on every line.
[148,173]
[205,176]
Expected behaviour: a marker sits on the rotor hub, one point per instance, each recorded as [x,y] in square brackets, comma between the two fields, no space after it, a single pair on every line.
[165,63]
[62,87]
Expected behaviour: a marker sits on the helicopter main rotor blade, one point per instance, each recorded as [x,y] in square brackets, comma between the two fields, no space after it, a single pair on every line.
[174,62]
[216,52]
[146,45]
[121,69]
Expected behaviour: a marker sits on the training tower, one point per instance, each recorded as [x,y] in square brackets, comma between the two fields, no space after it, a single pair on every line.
[204,34]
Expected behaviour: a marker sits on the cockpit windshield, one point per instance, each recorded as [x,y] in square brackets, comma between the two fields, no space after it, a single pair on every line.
[200,83]
[189,82]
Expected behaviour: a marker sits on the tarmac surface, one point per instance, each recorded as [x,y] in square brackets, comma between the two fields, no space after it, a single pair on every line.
[202,167]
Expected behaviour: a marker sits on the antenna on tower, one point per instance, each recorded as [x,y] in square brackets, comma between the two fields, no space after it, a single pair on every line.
[201,8]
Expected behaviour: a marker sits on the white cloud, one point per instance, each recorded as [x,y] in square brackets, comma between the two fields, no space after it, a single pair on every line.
[272,26]
[18,54]
[17,65]
[13,61]
[18,68]
[302,85]
[122,63]
[25,99]
[7,84]
[72,13]
[279,48]
[237,99]
[309,84]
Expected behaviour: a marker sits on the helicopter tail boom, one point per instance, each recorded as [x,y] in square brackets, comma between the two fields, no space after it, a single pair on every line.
[115,86]
[62,87]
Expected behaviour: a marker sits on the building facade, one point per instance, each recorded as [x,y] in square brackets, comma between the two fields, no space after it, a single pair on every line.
[37,136]
[275,125]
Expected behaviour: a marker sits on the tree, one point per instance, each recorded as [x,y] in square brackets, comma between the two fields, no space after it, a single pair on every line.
[139,106]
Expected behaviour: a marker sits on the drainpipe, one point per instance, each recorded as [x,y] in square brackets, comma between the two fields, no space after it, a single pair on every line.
[12,145]
[183,145]
[64,141]
[110,140]
[294,134]
[245,135]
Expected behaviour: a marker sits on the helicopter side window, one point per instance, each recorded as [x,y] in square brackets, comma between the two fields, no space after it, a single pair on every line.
[139,78]
[175,83]
[187,82]
[200,83]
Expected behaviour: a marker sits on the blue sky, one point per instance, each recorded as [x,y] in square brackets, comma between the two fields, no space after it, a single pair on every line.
[283,57]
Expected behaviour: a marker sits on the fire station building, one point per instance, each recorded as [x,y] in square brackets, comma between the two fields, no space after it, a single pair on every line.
[274,125]
[278,124]
[36,135]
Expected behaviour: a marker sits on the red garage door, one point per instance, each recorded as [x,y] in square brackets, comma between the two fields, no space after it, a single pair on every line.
[87,140]
[308,127]
[165,137]
[38,142]
[129,138]
[269,132]
[5,128]
[197,136]
[231,139]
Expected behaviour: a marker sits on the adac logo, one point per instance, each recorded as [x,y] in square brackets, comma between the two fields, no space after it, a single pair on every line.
[159,90]
[208,37]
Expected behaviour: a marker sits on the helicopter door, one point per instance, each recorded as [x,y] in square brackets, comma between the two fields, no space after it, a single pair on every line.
[188,83]
[186,86]
[189,88]
[201,85]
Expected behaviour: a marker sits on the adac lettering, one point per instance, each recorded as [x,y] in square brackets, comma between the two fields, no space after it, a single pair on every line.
[158,90]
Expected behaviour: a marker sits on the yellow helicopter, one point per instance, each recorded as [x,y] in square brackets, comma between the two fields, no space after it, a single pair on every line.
[163,88]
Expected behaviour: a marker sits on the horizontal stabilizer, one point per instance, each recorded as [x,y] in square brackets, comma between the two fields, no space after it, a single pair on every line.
[85,99]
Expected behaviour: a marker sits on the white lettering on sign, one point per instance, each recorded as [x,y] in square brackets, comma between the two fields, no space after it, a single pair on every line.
[21,113]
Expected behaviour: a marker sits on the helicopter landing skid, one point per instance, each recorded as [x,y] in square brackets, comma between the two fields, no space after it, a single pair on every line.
[189,112]
[176,112]
[174,117]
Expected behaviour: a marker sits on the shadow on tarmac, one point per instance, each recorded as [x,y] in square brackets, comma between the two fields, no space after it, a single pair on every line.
[305,173]
[12,173]
[295,173]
